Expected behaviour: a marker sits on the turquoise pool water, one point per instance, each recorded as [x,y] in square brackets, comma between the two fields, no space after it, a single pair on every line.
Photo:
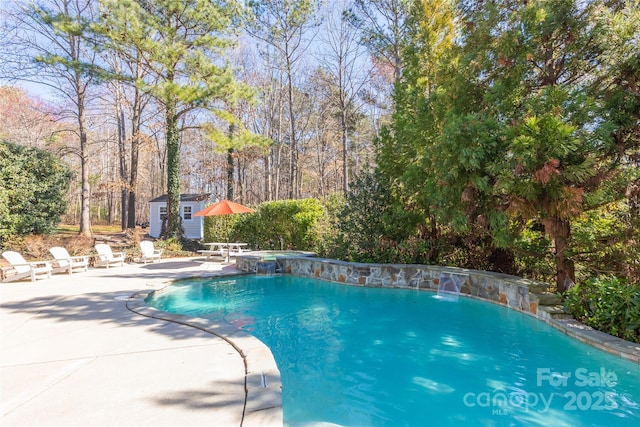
[358,356]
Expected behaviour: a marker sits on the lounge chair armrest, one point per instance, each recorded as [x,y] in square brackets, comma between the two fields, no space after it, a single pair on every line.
[28,264]
[80,258]
[34,264]
[41,264]
[118,254]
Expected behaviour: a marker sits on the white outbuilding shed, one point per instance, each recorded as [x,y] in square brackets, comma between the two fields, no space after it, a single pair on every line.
[189,204]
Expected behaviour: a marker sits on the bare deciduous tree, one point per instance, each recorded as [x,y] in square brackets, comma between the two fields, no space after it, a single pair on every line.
[349,69]
[45,45]
[284,24]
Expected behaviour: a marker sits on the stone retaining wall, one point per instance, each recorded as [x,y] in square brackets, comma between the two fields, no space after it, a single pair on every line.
[515,292]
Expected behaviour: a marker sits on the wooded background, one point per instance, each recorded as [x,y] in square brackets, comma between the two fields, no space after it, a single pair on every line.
[501,135]
[313,99]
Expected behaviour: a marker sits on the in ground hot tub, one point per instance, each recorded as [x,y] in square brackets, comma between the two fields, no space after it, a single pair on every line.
[267,261]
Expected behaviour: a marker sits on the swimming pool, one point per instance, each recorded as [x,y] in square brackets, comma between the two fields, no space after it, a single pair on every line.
[372,356]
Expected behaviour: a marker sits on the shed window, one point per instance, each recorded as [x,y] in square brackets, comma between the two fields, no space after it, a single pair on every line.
[163,213]
[186,213]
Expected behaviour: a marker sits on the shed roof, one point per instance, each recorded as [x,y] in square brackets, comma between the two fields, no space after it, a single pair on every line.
[184,198]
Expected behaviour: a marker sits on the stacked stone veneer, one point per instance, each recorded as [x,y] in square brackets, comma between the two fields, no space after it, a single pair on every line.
[515,292]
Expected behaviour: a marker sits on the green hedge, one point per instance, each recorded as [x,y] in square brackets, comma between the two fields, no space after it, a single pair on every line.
[285,224]
[608,305]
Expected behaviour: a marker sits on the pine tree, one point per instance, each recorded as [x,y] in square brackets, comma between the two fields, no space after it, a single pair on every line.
[184,46]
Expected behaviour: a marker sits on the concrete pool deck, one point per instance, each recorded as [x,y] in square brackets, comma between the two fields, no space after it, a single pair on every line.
[72,353]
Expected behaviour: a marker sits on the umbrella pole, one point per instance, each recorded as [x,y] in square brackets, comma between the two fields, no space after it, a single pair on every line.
[226,227]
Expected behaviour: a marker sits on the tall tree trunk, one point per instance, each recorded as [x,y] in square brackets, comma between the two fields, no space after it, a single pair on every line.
[559,230]
[278,166]
[230,168]
[242,173]
[109,207]
[268,175]
[85,212]
[131,204]
[122,152]
[174,226]
[133,183]
[321,167]
[345,148]
[293,159]
[230,165]
[135,153]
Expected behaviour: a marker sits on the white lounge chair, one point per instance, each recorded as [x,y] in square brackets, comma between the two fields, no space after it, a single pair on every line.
[67,263]
[149,253]
[22,269]
[106,257]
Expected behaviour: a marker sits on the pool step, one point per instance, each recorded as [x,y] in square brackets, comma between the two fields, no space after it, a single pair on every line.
[557,312]
[549,298]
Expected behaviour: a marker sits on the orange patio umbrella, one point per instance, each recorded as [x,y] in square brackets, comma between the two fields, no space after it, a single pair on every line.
[223,207]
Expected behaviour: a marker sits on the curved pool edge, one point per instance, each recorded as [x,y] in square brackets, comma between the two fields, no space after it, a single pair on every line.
[263,385]
[575,329]
[519,294]
[616,346]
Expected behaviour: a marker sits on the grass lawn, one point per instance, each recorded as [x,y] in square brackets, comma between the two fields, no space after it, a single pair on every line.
[67,230]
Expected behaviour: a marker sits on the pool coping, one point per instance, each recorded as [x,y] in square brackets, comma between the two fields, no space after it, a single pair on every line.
[601,340]
[263,385]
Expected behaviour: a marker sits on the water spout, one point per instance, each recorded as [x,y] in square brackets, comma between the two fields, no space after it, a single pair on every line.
[450,284]
[266,268]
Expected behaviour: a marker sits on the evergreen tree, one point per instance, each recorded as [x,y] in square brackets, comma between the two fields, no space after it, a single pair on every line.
[183,45]
[384,29]
[531,118]
[404,155]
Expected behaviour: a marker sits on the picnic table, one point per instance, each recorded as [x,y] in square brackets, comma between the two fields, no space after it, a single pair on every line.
[224,249]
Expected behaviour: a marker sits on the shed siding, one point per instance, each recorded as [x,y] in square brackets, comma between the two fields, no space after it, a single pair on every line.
[155,225]
[193,228]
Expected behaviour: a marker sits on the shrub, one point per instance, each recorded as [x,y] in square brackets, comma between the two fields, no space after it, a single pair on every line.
[372,226]
[607,240]
[33,184]
[326,227]
[607,304]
